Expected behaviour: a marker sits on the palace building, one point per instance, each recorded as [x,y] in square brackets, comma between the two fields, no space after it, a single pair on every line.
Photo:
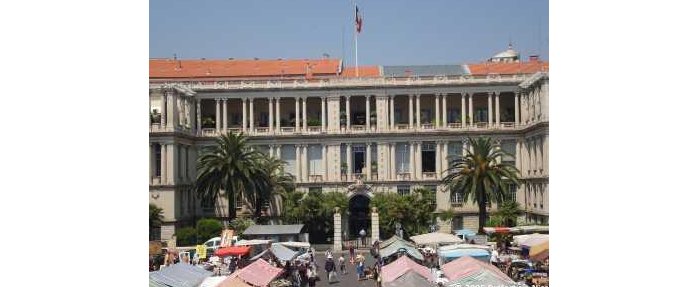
[389,129]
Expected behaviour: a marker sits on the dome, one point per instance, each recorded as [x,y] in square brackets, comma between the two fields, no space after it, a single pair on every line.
[510,55]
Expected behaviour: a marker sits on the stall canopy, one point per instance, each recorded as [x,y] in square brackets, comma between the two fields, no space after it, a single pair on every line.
[480,254]
[538,252]
[410,279]
[435,238]
[232,251]
[469,271]
[259,273]
[252,242]
[273,229]
[393,239]
[398,246]
[529,240]
[282,252]
[212,281]
[517,230]
[179,275]
[401,266]
[233,282]
[295,244]
[465,232]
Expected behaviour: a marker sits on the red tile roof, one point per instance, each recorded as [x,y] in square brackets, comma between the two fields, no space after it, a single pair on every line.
[170,68]
[508,68]
[364,71]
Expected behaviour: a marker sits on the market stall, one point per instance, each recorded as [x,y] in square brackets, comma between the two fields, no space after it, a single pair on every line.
[410,279]
[179,275]
[233,251]
[259,273]
[467,271]
[435,239]
[402,265]
[450,254]
[400,245]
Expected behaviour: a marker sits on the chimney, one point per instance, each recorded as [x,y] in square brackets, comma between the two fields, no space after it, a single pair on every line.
[533,58]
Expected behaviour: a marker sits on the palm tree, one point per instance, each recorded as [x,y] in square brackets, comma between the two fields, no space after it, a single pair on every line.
[155,219]
[230,166]
[480,177]
[273,182]
[509,211]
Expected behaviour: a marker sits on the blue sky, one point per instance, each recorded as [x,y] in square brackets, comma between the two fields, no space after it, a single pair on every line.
[394,32]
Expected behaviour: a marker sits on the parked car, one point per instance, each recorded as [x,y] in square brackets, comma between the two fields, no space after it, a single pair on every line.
[212,245]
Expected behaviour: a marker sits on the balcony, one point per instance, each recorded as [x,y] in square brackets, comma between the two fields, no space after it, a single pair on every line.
[427,126]
[315,178]
[209,132]
[287,130]
[261,131]
[374,176]
[404,176]
[343,177]
[429,175]
[358,128]
[235,130]
[357,176]
[155,180]
[481,125]
[454,126]
[314,130]
[508,125]
[402,127]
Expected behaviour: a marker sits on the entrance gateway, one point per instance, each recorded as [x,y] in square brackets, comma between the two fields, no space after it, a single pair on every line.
[357,217]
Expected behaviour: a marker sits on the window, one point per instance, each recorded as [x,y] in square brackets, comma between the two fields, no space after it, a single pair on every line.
[403,190]
[208,205]
[432,194]
[402,155]
[158,160]
[456,197]
[481,115]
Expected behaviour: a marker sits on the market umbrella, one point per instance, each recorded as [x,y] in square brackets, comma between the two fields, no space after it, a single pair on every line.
[538,252]
[232,251]
[465,232]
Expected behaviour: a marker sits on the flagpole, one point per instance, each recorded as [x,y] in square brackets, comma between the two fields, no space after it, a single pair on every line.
[356,47]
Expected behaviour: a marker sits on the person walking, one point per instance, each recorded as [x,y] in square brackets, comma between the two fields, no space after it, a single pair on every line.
[362,233]
[329,267]
[351,252]
[342,265]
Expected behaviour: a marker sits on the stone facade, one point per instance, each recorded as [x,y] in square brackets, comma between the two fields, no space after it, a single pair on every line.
[418,124]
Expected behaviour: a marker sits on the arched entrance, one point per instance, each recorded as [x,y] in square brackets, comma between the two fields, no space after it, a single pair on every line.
[359,215]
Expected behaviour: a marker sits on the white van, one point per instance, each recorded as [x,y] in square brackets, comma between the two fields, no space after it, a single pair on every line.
[212,245]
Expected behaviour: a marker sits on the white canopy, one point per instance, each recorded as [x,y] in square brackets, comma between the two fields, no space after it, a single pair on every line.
[530,239]
[295,244]
[212,281]
[435,238]
[464,246]
[252,242]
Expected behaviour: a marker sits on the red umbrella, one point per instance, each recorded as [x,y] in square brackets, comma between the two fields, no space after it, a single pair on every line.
[232,251]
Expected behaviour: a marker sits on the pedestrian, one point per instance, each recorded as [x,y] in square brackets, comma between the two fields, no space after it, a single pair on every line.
[342,266]
[328,254]
[329,268]
[195,260]
[360,266]
[351,252]
[363,235]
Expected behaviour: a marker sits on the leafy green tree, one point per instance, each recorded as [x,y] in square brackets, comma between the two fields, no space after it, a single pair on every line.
[186,236]
[275,182]
[292,212]
[155,218]
[414,212]
[241,224]
[335,199]
[233,167]
[207,228]
[313,214]
[480,177]
[509,212]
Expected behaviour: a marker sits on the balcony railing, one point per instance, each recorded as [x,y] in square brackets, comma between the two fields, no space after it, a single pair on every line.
[404,176]
[261,130]
[235,130]
[155,180]
[315,178]
[287,130]
[508,125]
[209,132]
[358,128]
[428,175]
[454,125]
[427,126]
[481,125]
[402,127]
[343,82]
[315,129]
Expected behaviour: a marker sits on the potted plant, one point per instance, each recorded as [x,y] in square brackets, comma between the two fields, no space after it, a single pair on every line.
[155,117]
[208,122]
[314,122]
[343,118]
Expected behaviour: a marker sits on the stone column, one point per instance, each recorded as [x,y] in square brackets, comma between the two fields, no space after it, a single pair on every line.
[225,116]
[322,115]
[244,114]
[348,112]
[151,161]
[462,110]
[299,176]
[392,112]
[350,163]
[323,162]
[419,112]
[305,114]
[444,110]
[375,230]
[163,111]
[198,116]
[496,107]
[413,165]
[297,115]
[278,115]
[464,151]
[271,114]
[437,146]
[489,109]
[437,120]
[278,151]
[517,156]
[516,108]
[252,116]
[411,113]
[393,168]
[218,115]
[470,108]
[368,113]
[337,246]
[419,160]
[163,164]
[368,161]
[444,157]
[304,163]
